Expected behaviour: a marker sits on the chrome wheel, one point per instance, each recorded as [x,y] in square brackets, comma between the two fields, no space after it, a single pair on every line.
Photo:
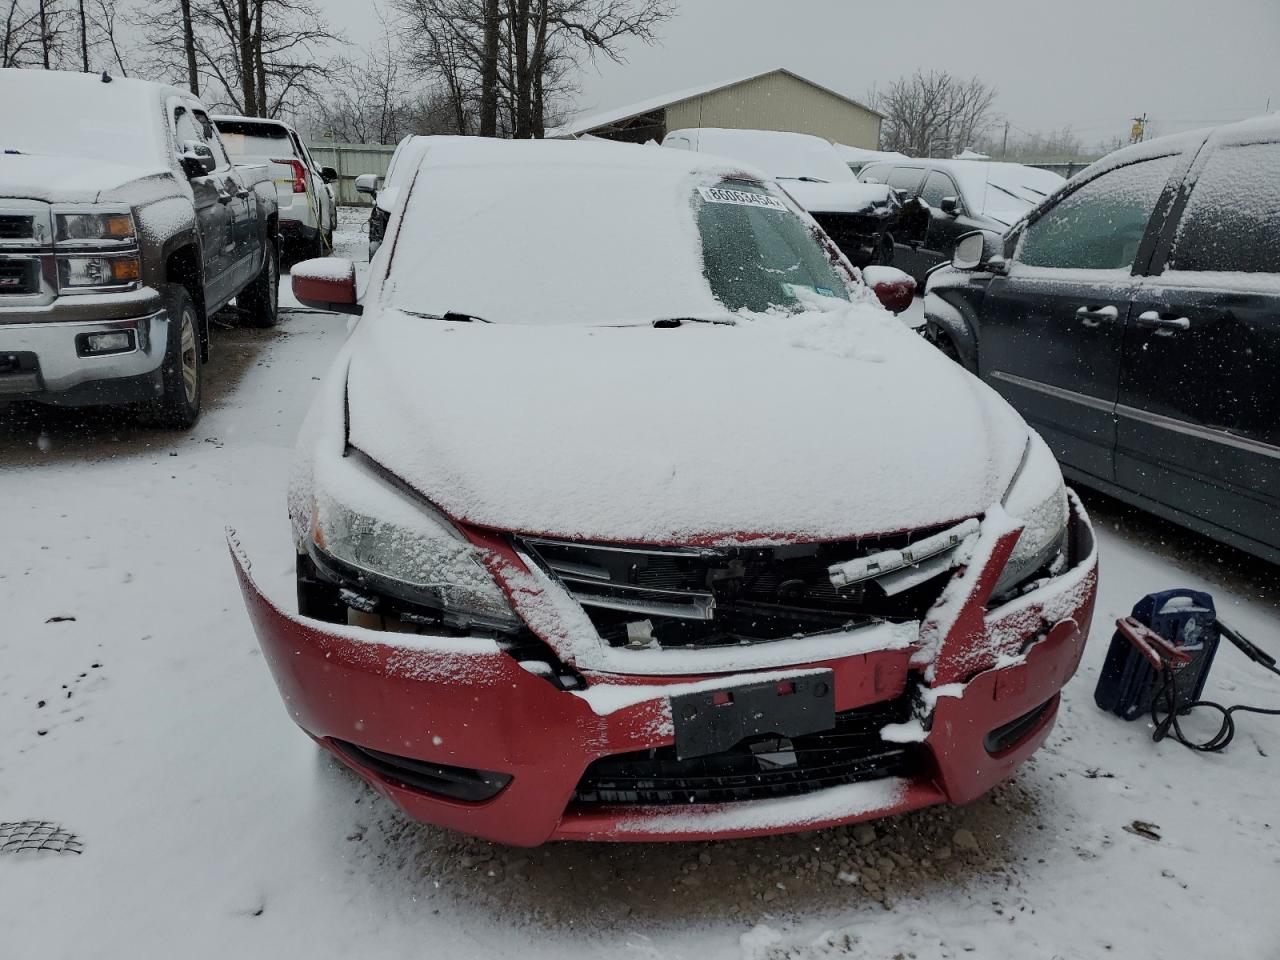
[189,359]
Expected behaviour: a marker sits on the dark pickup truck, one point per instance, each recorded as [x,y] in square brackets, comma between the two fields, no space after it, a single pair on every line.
[124,227]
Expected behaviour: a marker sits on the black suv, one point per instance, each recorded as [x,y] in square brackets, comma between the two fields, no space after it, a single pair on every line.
[959,196]
[1134,320]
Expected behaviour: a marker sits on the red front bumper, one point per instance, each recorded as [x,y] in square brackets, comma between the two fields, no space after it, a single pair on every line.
[466,704]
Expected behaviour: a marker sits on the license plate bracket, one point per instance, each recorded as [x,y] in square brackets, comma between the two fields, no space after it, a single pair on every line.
[712,721]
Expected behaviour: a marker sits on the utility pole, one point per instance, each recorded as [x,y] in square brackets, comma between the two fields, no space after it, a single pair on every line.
[1138,132]
[1004,147]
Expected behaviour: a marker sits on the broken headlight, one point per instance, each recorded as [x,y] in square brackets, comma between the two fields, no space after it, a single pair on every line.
[395,544]
[1037,497]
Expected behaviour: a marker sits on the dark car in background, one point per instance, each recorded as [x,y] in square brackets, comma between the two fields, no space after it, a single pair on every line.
[961,196]
[1134,320]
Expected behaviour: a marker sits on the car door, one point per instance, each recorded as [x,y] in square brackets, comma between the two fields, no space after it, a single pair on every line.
[242,204]
[1052,329]
[214,218]
[944,228]
[1198,425]
[912,231]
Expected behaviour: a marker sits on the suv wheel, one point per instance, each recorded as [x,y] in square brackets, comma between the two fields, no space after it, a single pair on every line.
[178,406]
[260,301]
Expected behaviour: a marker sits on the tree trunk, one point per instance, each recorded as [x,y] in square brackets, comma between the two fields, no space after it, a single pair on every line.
[259,65]
[489,70]
[44,34]
[189,43]
[538,67]
[524,81]
[248,69]
[84,39]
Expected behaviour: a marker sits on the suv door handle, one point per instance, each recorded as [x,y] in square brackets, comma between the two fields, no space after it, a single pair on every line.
[242,194]
[1164,324]
[1092,317]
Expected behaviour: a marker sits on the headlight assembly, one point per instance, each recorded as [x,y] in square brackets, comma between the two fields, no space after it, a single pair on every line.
[398,546]
[88,273]
[1038,498]
[96,228]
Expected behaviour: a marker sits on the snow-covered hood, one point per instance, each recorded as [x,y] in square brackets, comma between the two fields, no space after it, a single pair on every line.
[55,179]
[837,197]
[821,426]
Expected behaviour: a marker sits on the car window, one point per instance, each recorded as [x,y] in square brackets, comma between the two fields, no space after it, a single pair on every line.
[906,178]
[186,127]
[1232,221]
[211,138]
[936,187]
[1101,225]
[874,173]
[680,143]
[249,139]
[761,255]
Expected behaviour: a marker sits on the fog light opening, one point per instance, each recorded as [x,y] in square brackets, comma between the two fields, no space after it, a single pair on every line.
[99,344]
[1012,734]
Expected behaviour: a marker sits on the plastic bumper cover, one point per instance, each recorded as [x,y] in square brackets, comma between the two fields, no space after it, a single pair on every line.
[60,365]
[463,702]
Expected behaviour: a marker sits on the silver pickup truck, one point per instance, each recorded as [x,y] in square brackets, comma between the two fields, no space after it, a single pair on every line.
[123,228]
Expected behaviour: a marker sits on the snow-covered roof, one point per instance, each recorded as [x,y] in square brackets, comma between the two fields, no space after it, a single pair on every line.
[861,155]
[606,118]
[971,155]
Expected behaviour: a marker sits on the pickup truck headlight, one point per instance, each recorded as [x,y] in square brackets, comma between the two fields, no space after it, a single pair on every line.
[396,545]
[1037,497]
[88,273]
[105,226]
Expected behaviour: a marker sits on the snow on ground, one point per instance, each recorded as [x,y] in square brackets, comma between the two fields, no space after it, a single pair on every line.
[149,727]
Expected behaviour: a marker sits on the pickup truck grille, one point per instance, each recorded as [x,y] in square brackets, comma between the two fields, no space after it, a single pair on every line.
[16,227]
[709,597]
[19,275]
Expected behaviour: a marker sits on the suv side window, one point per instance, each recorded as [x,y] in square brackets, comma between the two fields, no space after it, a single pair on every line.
[1232,221]
[875,173]
[211,137]
[186,128]
[1101,225]
[937,187]
[906,178]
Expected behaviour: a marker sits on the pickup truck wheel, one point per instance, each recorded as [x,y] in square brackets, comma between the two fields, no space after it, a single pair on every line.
[178,406]
[260,300]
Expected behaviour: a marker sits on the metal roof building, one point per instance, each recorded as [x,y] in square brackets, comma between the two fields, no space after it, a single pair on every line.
[775,100]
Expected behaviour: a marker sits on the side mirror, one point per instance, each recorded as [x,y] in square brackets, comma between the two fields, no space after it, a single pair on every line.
[895,290]
[969,252]
[327,283]
[367,183]
[901,194]
[196,159]
[950,206]
[328,174]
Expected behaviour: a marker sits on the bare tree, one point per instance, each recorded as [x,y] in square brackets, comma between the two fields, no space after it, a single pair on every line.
[250,56]
[370,99]
[21,41]
[934,113]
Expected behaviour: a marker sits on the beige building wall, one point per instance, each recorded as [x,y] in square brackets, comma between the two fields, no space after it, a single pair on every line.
[779,102]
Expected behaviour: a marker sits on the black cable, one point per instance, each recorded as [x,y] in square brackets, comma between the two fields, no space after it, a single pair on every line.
[1169,727]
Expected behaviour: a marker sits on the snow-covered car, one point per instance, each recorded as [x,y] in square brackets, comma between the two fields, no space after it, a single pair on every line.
[308,208]
[403,164]
[586,556]
[861,218]
[960,196]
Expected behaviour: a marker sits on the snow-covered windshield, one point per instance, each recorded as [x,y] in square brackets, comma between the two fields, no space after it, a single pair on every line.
[783,156]
[635,237]
[1011,190]
[72,115]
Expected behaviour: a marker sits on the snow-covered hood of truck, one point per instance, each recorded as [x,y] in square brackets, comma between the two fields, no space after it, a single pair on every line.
[819,426]
[837,197]
[56,179]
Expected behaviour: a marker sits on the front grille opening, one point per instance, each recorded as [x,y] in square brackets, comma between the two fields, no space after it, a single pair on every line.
[19,275]
[441,780]
[1005,738]
[695,597]
[759,768]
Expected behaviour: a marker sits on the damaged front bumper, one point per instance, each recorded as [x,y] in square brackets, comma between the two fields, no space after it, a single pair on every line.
[458,733]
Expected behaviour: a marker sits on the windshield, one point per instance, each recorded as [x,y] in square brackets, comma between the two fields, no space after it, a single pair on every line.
[605,244]
[255,139]
[783,156]
[757,254]
[1012,190]
[97,121]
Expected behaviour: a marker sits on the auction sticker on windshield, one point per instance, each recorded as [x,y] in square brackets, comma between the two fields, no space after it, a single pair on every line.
[742,198]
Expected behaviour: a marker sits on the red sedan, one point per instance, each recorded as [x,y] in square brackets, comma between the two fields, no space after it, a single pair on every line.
[626,513]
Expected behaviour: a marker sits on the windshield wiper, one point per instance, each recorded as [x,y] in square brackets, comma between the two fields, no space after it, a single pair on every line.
[670,323]
[805,179]
[451,316]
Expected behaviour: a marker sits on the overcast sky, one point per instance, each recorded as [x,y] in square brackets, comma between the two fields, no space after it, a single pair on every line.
[1093,64]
